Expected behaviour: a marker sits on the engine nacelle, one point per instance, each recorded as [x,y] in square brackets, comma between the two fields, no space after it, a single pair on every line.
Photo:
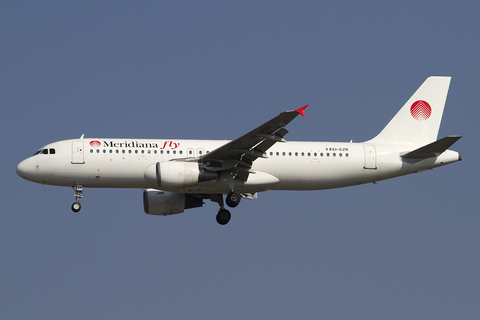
[158,202]
[177,174]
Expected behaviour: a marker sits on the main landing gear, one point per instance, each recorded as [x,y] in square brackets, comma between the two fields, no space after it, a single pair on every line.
[232,200]
[223,216]
[76,206]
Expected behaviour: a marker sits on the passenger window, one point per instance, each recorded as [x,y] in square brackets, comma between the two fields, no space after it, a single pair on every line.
[283,153]
[104,151]
[123,151]
[174,152]
[314,154]
[278,153]
[111,151]
[290,154]
[129,151]
[346,155]
[116,151]
[91,150]
[168,151]
[143,151]
[52,151]
[190,152]
[296,154]
[98,150]
[161,151]
[149,151]
[155,151]
[180,151]
[328,154]
[136,151]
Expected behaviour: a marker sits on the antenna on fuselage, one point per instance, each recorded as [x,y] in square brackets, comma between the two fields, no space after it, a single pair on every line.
[82,136]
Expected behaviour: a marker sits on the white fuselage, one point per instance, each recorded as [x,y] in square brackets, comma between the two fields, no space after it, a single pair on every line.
[124,163]
[179,174]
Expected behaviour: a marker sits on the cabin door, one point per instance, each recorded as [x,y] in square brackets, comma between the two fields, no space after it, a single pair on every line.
[370,157]
[77,152]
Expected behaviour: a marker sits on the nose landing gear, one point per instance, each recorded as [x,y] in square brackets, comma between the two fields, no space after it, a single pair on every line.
[76,206]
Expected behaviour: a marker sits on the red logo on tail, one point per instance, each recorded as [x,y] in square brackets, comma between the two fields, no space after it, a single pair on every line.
[420,110]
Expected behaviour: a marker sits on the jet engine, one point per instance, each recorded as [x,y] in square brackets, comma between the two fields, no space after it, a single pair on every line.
[177,174]
[158,202]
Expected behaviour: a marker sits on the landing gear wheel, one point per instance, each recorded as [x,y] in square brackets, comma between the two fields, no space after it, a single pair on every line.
[223,216]
[233,199]
[76,206]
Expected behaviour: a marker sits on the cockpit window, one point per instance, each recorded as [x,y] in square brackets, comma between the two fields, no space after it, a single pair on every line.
[45,151]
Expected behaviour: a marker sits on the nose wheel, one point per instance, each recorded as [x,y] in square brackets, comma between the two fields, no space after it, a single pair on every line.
[76,206]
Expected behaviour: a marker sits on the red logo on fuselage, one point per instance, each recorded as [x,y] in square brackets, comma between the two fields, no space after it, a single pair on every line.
[95,143]
[420,110]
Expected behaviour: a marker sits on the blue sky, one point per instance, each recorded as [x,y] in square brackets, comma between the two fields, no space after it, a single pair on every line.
[406,248]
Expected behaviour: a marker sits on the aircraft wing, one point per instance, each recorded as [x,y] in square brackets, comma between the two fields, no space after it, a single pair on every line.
[240,153]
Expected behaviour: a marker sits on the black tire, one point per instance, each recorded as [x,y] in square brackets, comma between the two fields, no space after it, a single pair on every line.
[233,199]
[223,216]
[76,206]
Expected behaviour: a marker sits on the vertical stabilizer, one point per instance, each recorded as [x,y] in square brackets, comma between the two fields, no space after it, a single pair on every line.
[418,121]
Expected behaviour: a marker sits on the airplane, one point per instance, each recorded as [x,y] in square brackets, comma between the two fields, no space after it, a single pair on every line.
[178,174]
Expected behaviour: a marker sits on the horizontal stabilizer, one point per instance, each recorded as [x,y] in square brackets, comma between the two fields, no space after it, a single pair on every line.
[433,149]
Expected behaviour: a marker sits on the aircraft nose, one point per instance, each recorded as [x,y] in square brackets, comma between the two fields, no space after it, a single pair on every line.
[22,169]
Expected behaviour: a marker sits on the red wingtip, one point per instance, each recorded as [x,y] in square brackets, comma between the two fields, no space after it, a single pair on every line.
[302,110]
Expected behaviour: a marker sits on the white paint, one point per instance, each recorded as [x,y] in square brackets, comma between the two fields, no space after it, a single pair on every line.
[127,163]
